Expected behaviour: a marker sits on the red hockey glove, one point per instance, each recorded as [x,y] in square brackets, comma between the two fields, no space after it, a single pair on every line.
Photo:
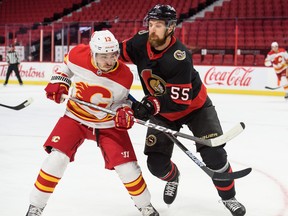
[148,106]
[54,91]
[124,118]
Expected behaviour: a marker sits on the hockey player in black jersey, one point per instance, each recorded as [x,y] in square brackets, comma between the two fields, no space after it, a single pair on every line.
[175,96]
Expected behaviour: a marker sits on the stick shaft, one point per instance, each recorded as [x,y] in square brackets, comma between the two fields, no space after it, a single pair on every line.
[144,123]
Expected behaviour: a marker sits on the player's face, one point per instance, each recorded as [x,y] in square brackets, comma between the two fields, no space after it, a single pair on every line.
[157,32]
[106,61]
[275,48]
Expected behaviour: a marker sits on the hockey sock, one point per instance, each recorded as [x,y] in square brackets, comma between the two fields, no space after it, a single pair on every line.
[50,174]
[131,176]
[172,174]
[226,189]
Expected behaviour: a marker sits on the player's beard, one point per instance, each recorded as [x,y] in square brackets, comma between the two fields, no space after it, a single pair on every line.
[155,41]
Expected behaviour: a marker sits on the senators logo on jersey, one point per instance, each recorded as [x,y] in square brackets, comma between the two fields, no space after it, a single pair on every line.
[155,84]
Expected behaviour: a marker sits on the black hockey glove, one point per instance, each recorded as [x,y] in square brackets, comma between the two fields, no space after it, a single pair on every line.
[148,106]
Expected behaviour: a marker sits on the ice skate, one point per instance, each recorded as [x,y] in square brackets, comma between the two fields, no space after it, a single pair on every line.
[149,211]
[34,211]
[286,96]
[170,191]
[235,207]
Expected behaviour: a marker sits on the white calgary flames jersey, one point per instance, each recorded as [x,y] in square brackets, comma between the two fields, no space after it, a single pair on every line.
[279,60]
[109,90]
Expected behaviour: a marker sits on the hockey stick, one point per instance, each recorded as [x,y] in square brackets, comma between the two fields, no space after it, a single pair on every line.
[277,87]
[20,106]
[217,141]
[211,173]
[214,175]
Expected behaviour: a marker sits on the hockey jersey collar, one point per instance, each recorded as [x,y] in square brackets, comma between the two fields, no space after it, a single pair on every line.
[154,56]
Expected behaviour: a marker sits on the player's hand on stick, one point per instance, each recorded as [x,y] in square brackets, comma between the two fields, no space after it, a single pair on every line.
[54,91]
[147,107]
[58,85]
[124,118]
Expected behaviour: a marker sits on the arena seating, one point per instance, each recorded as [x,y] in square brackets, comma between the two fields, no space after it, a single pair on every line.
[106,11]
[217,59]
[31,11]
[117,10]
[228,59]
[259,60]
[215,31]
[197,59]
[253,33]
[24,17]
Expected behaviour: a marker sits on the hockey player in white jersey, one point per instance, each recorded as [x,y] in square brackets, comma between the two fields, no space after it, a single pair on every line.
[278,58]
[99,78]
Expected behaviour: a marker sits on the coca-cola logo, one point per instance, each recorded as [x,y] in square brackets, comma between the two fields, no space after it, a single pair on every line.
[239,76]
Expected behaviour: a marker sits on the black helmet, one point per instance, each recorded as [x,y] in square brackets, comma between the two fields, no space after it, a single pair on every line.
[162,12]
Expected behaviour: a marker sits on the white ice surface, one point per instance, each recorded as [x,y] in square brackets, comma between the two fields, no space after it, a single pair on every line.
[87,189]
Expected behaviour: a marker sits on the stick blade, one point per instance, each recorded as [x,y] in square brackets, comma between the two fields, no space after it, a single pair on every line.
[229,135]
[277,87]
[271,88]
[231,176]
[23,104]
[28,101]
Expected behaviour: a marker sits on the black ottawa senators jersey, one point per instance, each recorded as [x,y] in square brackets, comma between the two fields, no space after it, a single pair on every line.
[168,75]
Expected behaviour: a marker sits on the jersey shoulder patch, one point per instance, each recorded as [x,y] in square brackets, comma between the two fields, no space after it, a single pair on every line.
[179,55]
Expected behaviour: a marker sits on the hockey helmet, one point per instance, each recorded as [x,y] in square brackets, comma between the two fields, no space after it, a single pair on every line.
[162,12]
[274,44]
[103,42]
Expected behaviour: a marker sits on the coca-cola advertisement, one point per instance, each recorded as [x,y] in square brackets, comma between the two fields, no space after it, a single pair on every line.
[238,77]
[214,77]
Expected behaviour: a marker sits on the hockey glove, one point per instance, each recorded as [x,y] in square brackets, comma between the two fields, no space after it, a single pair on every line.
[54,91]
[124,118]
[58,85]
[148,106]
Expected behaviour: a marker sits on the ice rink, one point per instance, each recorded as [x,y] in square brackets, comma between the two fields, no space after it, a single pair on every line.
[87,189]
